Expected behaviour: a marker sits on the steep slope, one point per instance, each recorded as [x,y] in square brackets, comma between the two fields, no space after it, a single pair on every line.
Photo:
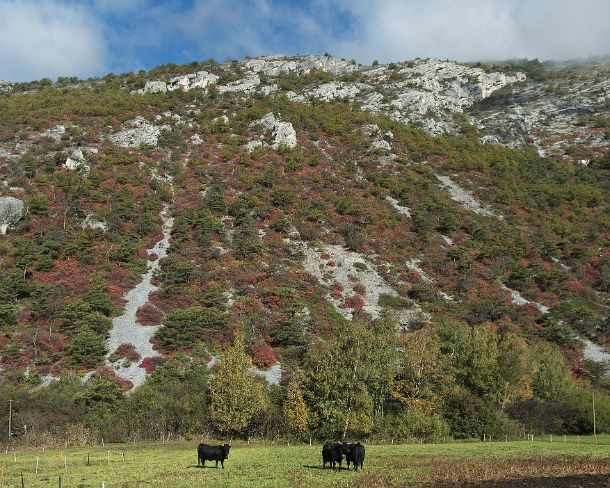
[301,192]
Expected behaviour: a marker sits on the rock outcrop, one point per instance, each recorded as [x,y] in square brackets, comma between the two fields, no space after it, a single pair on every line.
[246,85]
[11,211]
[55,133]
[77,162]
[91,222]
[283,133]
[140,133]
[274,65]
[201,79]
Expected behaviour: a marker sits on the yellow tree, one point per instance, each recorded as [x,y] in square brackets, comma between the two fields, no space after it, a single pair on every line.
[515,370]
[296,414]
[237,396]
[421,372]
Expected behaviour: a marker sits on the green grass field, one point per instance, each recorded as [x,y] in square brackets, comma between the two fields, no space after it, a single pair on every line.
[174,464]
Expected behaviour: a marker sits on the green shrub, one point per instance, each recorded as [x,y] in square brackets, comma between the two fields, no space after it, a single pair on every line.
[412,423]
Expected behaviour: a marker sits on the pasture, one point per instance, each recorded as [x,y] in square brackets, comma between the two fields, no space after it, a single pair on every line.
[174,464]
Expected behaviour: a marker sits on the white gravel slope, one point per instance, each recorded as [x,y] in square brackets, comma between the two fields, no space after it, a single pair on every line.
[125,328]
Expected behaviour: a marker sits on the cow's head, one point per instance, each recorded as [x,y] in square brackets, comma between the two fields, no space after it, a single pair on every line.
[225,450]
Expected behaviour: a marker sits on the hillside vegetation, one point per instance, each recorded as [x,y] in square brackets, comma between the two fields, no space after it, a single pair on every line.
[312,258]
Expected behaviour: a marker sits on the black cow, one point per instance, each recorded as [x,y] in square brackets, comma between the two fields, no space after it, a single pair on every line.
[332,453]
[354,453]
[206,452]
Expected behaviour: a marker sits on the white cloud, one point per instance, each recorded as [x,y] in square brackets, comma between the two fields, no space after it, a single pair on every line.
[476,29]
[48,38]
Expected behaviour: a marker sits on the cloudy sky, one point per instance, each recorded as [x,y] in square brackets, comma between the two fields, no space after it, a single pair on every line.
[85,38]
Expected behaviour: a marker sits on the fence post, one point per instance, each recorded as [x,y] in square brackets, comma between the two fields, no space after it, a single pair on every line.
[108,456]
[564,439]
[123,454]
[22,483]
[88,464]
[60,482]
[37,463]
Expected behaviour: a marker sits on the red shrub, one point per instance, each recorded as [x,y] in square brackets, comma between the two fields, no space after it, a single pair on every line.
[150,363]
[264,356]
[148,314]
[127,351]
[336,294]
[360,289]
[354,301]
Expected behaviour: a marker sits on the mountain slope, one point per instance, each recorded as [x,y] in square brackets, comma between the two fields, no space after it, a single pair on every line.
[296,194]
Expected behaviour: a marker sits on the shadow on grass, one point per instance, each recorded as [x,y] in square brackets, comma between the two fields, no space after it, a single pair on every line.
[203,467]
[325,469]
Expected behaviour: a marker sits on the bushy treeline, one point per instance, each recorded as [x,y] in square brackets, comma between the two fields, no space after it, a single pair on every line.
[443,380]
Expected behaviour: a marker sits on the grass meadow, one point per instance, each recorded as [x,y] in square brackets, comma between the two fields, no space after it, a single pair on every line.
[566,462]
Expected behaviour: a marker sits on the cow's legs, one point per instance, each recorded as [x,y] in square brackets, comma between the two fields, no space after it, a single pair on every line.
[222,463]
[217,464]
[204,462]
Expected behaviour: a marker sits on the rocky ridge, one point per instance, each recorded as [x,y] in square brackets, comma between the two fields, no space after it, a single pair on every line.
[438,95]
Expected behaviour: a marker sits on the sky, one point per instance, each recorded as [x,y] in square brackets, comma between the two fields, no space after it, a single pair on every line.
[50,38]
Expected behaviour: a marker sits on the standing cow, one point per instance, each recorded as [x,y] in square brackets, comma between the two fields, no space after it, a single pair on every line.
[354,453]
[332,453]
[205,452]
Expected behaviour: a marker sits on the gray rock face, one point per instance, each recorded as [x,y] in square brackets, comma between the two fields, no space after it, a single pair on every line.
[91,222]
[77,162]
[246,85]
[140,132]
[550,117]
[154,87]
[201,79]
[55,133]
[5,86]
[283,133]
[417,90]
[274,65]
[430,92]
[337,90]
[11,211]
[252,145]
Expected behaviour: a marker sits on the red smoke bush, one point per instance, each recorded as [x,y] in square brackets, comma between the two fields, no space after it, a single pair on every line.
[264,356]
[148,314]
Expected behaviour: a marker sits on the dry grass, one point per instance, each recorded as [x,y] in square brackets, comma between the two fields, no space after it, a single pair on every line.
[539,471]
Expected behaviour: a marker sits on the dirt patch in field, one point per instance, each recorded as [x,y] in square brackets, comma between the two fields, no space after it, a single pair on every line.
[544,472]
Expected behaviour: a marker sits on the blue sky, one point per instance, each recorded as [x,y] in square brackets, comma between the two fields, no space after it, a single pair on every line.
[93,37]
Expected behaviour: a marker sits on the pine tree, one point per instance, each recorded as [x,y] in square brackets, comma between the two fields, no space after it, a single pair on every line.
[236,395]
[296,413]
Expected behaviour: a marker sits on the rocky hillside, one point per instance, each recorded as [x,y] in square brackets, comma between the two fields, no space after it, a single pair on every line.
[145,213]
